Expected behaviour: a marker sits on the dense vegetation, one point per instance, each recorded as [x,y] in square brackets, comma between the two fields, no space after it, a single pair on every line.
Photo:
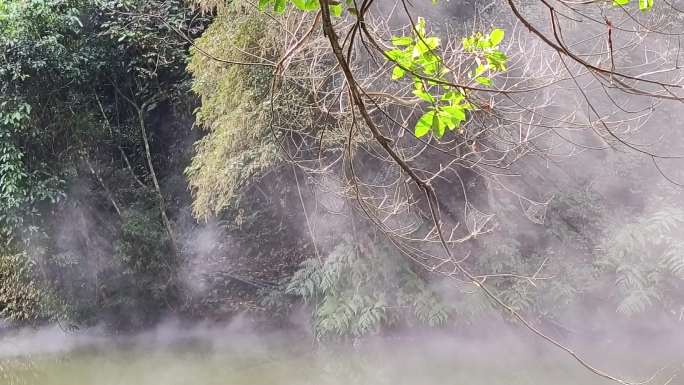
[83,218]
[203,160]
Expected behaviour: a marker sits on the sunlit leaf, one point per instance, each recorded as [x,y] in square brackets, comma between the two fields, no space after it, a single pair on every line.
[398,73]
[402,40]
[481,68]
[312,5]
[432,42]
[399,56]
[645,5]
[335,9]
[279,6]
[484,80]
[455,97]
[418,50]
[301,4]
[431,68]
[424,124]
[419,92]
[420,26]
[454,114]
[496,36]
[438,126]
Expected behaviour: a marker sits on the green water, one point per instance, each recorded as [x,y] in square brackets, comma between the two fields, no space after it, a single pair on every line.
[234,360]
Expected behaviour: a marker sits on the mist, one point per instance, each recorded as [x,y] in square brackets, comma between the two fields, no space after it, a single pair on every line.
[234,202]
[231,353]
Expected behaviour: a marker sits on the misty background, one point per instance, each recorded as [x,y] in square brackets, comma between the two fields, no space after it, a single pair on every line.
[170,217]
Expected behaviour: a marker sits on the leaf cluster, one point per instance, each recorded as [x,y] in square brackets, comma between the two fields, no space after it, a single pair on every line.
[417,55]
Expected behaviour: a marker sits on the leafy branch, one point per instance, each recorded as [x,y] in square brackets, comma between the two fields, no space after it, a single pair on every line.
[644,5]
[417,56]
[303,5]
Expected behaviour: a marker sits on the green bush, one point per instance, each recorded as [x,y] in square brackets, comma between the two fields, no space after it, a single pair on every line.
[358,290]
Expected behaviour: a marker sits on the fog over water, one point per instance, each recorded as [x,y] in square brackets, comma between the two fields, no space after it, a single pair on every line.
[209,354]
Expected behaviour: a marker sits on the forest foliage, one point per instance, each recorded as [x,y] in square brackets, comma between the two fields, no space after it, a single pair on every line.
[102,182]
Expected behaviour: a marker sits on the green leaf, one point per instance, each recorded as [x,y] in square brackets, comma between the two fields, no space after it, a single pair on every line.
[621,2]
[335,9]
[438,127]
[395,54]
[313,5]
[454,113]
[484,80]
[310,5]
[430,68]
[399,56]
[263,4]
[424,124]
[279,6]
[453,96]
[467,44]
[645,5]
[301,4]
[497,60]
[398,73]
[481,68]
[432,42]
[420,27]
[497,36]
[402,40]
[418,50]
[421,93]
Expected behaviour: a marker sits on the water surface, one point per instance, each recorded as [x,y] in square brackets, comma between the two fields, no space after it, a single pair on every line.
[177,357]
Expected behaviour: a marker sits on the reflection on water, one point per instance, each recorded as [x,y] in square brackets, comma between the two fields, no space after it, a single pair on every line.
[233,358]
